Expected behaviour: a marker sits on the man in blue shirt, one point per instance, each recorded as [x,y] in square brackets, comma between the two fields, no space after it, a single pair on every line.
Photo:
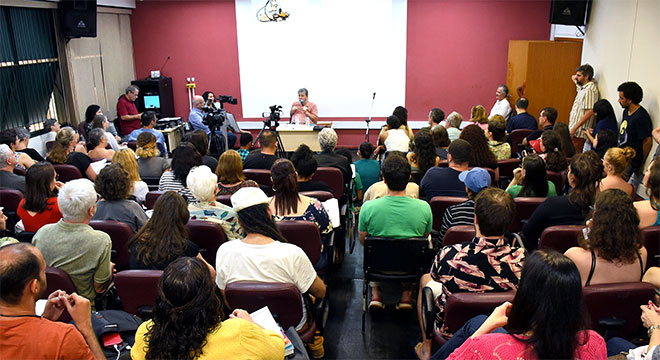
[196,115]
[148,122]
[523,120]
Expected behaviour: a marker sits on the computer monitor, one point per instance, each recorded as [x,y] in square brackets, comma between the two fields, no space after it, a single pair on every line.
[151,102]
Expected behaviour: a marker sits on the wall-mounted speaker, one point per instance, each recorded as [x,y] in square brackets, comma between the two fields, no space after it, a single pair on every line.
[78,18]
[570,12]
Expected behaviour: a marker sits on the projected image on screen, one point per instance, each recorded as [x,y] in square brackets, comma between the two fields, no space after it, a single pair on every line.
[329,47]
[151,102]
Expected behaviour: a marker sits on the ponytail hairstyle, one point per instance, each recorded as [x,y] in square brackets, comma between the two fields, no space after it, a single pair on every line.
[285,184]
[565,137]
[60,151]
[555,160]
[619,159]
[535,182]
[587,169]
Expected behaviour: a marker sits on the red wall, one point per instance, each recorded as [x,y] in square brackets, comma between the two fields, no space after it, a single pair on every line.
[456,50]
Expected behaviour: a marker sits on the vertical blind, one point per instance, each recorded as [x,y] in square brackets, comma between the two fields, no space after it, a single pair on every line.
[28,65]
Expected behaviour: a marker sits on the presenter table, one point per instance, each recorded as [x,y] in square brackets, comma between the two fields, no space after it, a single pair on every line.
[294,135]
[172,137]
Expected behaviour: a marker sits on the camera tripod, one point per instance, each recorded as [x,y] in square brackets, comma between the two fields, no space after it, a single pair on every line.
[280,148]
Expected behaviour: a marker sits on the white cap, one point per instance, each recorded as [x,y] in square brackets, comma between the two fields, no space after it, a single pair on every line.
[248,196]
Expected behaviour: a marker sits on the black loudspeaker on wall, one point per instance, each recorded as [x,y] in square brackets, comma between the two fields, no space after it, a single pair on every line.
[78,18]
[570,12]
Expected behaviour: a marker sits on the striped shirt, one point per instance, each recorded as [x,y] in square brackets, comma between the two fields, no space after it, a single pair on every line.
[459,214]
[168,182]
[586,97]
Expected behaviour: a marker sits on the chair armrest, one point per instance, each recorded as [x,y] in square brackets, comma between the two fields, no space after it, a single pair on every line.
[428,311]
[320,308]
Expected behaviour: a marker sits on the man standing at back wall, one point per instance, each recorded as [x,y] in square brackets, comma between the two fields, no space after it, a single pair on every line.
[127,111]
[582,112]
[304,109]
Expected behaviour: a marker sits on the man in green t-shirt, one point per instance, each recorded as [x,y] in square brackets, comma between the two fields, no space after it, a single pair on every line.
[395,216]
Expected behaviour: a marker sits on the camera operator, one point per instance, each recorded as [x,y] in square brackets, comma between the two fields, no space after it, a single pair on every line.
[304,109]
[197,115]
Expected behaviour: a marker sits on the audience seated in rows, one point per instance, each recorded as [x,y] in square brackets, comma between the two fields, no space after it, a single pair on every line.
[531,179]
[443,181]
[489,263]
[264,254]
[126,158]
[150,164]
[230,174]
[288,205]
[616,162]
[605,119]
[481,154]
[22,146]
[423,156]
[184,158]
[25,335]
[200,141]
[648,209]
[73,246]
[101,122]
[9,180]
[436,115]
[204,186]
[187,322]
[531,333]
[547,119]
[329,158]
[496,136]
[10,138]
[395,137]
[479,116]
[453,125]
[551,151]
[264,157]
[501,106]
[148,120]
[115,187]
[245,144]
[67,150]
[394,216]
[612,249]
[583,175]
[475,180]
[368,169]
[164,238]
[441,141]
[305,163]
[98,143]
[523,120]
[39,207]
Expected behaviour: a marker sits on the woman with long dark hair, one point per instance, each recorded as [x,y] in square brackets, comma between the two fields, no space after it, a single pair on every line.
[200,141]
[184,158]
[531,179]
[584,173]
[605,119]
[648,210]
[39,207]
[567,146]
[481,154]
[546,319]
[613,249]
[164,238]
[187,323]
[551,151]
[423,156]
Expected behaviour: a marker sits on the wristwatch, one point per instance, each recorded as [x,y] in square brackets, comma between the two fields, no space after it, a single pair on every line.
[651,328]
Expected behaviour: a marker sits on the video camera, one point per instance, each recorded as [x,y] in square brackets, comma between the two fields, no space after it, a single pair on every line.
[273,117]
[214,117]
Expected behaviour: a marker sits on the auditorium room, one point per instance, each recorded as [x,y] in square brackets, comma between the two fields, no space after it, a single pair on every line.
[329,179]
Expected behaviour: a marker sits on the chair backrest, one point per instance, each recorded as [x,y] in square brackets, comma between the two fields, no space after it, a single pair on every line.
[304,234]
[319,195]
[507,166]
[333,177]
[225,199]
[208,236]
[82,129]
[10,198]
[261,176]
[137,289]
[459,234]
[119,233]
[557,179]
[438,206]
[151,181]
[618,300]
[283,300]
[443,163]
[404,260]
[57,279]
[560,237]
[525,207]
[651,237]
[132,145]
[463,306]
[20,171]
[67,172]
[517,137]
[151,197]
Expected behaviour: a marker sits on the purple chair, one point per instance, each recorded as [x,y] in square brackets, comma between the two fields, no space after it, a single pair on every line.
[332,177]
[57,279]
[517,137]
[507,166]
[438,206]
[459,234]
[151,197]
[119,233]
[304,234]
[67,172]
[225,199]
[525,207]
[20,171]
[138,290]
[560,237]
[208,236]
[557,179]
[319,195]
[652,243]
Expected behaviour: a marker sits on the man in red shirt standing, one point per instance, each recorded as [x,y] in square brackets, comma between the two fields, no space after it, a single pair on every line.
[127,111]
